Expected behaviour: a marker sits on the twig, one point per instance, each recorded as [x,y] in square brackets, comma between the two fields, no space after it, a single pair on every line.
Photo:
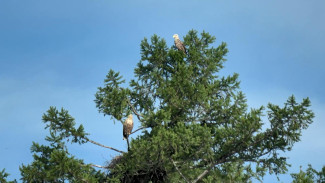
[133,109]
[201,176]
[222,160]
[91,141]
[98,166]
[93,165]
[179,170]
[137,130]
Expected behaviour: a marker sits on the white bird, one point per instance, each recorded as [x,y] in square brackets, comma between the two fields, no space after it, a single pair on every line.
[127,127]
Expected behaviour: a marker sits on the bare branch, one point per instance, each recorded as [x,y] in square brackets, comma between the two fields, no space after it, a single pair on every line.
[201,176]
[179,170]
[93,165]
[137,130]
[222,160]
[98,166]
[91,141]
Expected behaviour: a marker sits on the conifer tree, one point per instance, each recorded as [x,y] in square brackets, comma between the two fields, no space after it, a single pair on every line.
[310,176]
[196,125]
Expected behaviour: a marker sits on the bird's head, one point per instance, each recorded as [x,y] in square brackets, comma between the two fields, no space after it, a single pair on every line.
[130,116]
[175,36]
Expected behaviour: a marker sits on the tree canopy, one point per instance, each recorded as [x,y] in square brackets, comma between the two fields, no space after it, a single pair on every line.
[196,124]
[310,176]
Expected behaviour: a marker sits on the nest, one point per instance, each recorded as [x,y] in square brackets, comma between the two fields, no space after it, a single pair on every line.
[116,160]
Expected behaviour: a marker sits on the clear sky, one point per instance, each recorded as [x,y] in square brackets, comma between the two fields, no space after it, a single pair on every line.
[56,53]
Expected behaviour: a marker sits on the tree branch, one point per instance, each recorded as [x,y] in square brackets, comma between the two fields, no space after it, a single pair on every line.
[224,158]
[133,109]
[137,130]
[201,176]
[96,143]
[179,170]
[98,166]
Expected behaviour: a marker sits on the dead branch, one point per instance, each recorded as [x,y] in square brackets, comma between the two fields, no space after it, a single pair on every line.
[98,166]
[208,170]
[137,130]
[96,143]
[179,170]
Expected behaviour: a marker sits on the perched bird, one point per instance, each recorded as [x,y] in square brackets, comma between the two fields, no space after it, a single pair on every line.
[178,43]
[127,127]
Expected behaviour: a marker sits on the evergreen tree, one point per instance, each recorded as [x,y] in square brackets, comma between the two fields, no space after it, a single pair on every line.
[3,177]
[310,176]
[196,124]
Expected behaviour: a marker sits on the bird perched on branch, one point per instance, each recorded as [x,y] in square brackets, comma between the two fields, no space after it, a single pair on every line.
[178,43]
[127,126]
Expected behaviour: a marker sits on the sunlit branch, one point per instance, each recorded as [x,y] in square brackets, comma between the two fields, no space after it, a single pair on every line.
[179,170]
[98,166]
[138,130]
[91,141]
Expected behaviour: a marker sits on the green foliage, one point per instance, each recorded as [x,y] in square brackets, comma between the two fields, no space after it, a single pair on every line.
[61,125]
[197,126]
[54,163]
[230,173]
[310,176]
[200,120]
[112,99]
[3,177]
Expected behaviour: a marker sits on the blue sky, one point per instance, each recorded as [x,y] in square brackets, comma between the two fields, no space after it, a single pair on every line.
[56,53]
